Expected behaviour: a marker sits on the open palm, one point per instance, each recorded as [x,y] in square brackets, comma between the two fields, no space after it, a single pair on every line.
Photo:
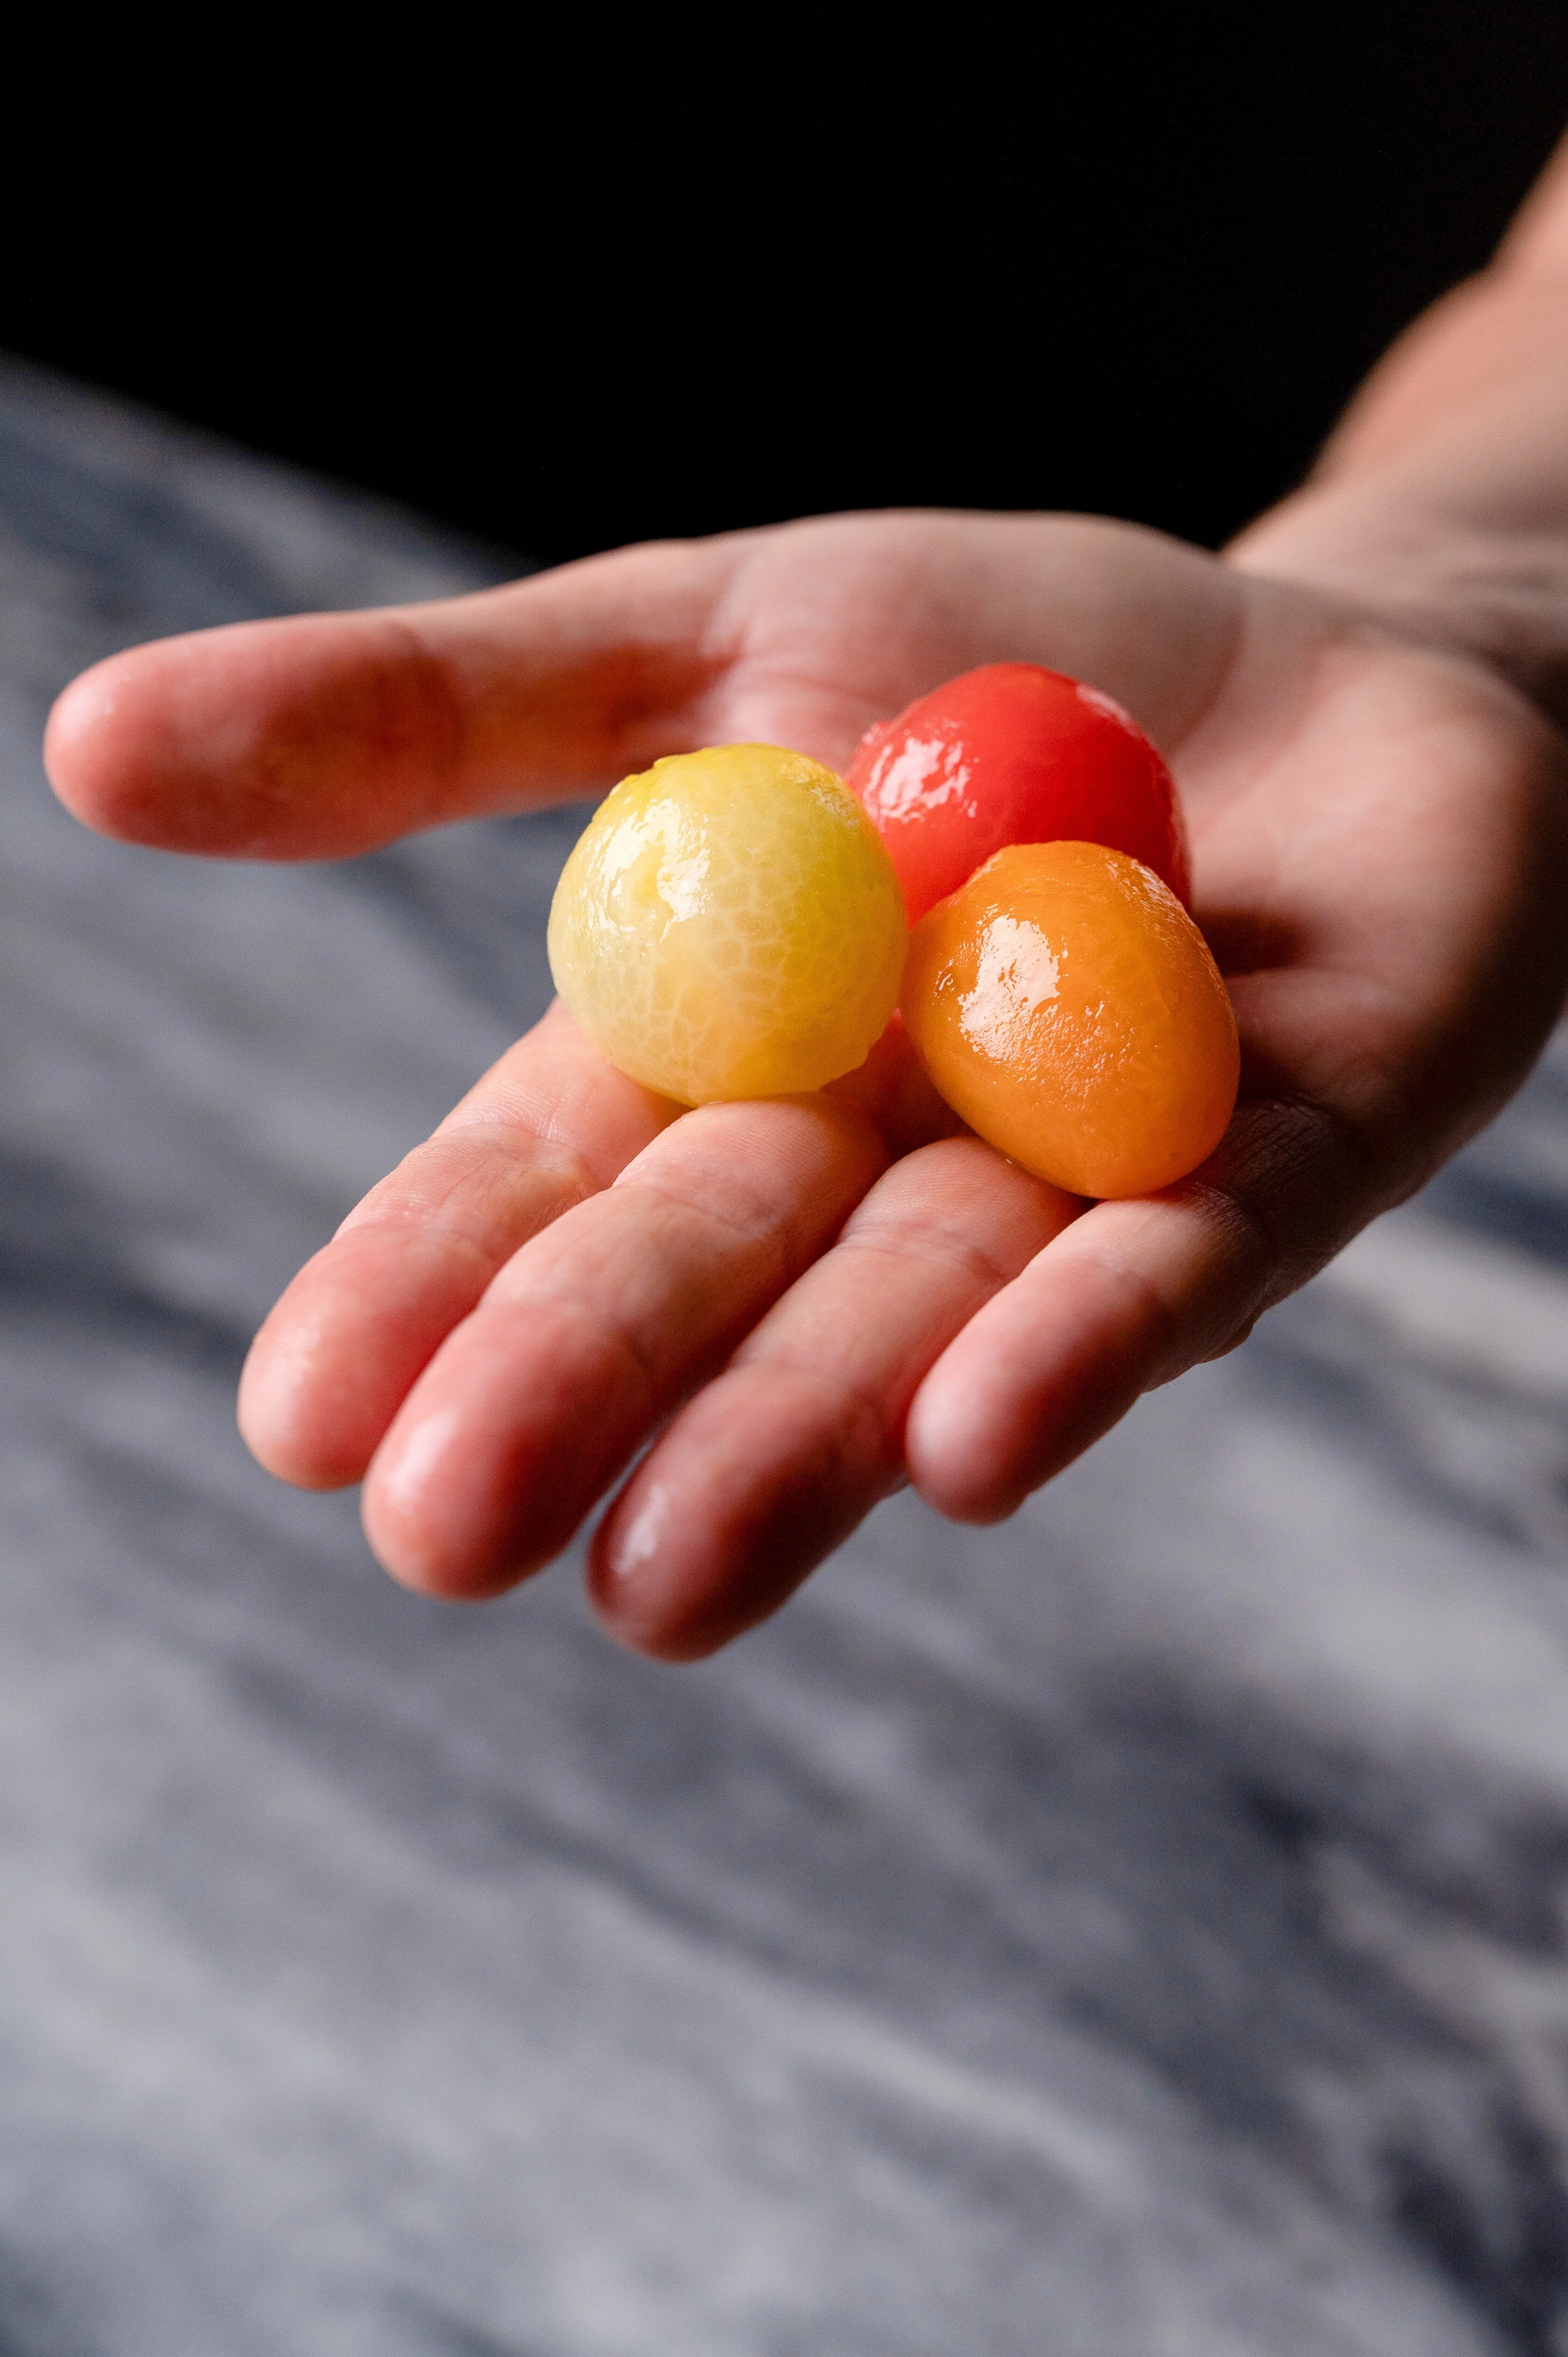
[801,1303]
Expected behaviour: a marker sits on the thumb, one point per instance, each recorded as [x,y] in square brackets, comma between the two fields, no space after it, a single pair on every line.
[329,734]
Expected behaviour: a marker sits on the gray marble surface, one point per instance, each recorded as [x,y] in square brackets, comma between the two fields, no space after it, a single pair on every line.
[1135,1932]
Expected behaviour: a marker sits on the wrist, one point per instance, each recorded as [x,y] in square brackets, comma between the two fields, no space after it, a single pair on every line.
[1494,592]
[1440,504]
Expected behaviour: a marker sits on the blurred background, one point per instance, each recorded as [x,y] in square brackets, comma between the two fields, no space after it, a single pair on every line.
[576,283]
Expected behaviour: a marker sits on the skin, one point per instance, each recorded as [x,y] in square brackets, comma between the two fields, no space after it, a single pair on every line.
[791,1307]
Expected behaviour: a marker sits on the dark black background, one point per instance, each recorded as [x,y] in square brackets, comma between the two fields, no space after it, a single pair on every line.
[576,282]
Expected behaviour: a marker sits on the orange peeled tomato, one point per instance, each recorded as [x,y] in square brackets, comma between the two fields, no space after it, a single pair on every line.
[1068,1009]
[1014,753]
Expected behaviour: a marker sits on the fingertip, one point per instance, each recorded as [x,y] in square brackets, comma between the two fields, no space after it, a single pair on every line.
[280,1418]
[1045,1370]
[311,737]
[653,1635]
[412,1511]
[953,1461]
[411,1537]
[630,1584]
[339,1353]
[169,744]
[94,744]
[465,1498]
[733,1509]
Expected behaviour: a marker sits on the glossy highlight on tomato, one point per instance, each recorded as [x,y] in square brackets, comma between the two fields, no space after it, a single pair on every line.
[729,925]
[1014,753]
[1068,1009]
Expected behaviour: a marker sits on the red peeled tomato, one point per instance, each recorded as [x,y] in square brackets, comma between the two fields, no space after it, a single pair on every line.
[1014,753]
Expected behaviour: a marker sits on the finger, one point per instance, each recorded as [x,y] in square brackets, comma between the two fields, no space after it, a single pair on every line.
[550,1124]
[1127,1298]
[595,1329]
[778,1458]
[327,734]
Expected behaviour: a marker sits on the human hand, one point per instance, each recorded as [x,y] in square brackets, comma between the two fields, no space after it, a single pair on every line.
[794,1302]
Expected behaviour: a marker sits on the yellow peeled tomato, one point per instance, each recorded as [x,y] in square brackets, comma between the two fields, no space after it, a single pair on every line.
[729,925]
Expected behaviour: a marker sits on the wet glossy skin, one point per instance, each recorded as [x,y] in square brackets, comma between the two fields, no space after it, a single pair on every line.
[1014,753]
[1067,1006]
[729,926]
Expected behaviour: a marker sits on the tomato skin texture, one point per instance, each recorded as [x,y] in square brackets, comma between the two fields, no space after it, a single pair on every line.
[729,925]
[1014,753]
